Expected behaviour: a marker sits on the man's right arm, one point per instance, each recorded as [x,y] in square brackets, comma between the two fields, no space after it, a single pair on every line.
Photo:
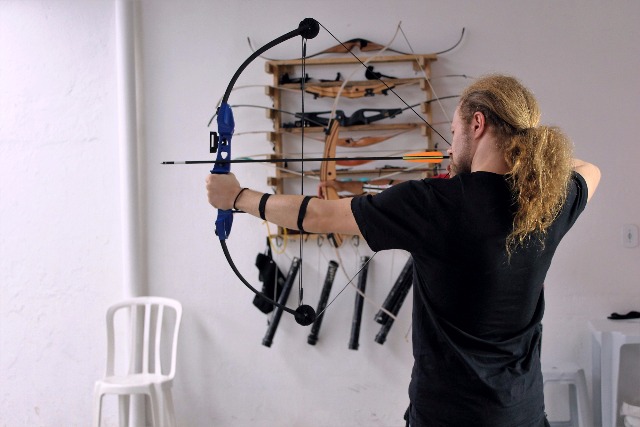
[590,173]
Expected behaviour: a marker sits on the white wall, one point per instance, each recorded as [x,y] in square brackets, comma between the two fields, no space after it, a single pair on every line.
[59,207]
[60,259]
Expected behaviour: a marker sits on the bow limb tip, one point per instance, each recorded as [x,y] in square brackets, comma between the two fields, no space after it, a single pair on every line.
[309,28]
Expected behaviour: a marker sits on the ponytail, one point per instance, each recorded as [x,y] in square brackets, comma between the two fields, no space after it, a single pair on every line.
[540,163]
[539,158]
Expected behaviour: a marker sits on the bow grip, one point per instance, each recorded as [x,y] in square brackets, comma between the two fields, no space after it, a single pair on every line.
[226,127]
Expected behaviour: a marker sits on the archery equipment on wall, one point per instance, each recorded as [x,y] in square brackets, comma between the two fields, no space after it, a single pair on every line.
[282,301]
[381,337]
[404,280]
[374,75]
[271,277]
[363,116]
[328,173]
[359,303]
[280,67]
[322,303]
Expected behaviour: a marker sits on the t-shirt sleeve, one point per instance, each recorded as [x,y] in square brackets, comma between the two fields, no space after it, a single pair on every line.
[388,220]
[576,198]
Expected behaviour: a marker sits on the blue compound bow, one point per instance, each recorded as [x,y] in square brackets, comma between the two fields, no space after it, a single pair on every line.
[220,143]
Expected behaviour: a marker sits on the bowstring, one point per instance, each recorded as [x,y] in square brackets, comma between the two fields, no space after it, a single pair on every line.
[301,241]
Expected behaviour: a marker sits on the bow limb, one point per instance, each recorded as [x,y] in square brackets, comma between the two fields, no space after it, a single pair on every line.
[328,172]
[363,44]
[352,91]
[352,162]
[269,88]
[367,45]
[365,141]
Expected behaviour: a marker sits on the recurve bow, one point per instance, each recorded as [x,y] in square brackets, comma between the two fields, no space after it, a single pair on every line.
[328,173]
[365,46]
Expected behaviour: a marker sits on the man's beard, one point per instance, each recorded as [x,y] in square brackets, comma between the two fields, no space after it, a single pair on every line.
[462,162]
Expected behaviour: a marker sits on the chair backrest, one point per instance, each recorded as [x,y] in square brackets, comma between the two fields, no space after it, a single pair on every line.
[143,330]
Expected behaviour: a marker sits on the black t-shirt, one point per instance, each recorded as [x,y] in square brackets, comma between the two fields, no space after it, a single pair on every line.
[476,313]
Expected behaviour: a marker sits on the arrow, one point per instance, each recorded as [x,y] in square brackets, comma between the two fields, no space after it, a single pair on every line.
[421,157]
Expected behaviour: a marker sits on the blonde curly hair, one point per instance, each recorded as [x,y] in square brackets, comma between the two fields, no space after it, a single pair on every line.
[539,158]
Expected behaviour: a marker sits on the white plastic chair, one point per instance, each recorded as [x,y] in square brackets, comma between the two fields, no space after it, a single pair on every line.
[573,376]
[607,339]
[145,324]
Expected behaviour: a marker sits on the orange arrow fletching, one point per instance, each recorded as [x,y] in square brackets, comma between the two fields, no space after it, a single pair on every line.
[424,157]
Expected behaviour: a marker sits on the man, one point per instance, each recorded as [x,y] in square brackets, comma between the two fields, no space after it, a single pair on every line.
[482,243]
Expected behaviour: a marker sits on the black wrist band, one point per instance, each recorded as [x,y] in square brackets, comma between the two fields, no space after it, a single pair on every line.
[237,197]
[302,212]
[263,204]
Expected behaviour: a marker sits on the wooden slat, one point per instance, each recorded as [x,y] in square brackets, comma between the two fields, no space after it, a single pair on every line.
[272,67]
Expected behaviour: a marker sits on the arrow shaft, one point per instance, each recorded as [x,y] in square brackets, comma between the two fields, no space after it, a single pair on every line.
[427,159]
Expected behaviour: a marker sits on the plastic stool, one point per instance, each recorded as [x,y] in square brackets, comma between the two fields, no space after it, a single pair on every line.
[579,406]
[607,339]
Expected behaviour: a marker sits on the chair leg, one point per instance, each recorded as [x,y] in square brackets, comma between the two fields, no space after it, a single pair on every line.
[97,408]
[159,405]
[573,406]
[169,411]
[124,403]
[156,415]
[584,406]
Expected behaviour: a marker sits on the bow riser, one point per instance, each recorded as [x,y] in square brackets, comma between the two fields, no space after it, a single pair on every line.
[226,127]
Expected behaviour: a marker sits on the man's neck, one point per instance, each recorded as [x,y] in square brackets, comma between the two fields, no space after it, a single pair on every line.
[488,158]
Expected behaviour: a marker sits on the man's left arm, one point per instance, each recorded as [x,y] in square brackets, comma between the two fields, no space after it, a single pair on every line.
[320,216]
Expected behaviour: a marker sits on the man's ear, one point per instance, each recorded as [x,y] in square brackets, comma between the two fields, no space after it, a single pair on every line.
[478,123]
